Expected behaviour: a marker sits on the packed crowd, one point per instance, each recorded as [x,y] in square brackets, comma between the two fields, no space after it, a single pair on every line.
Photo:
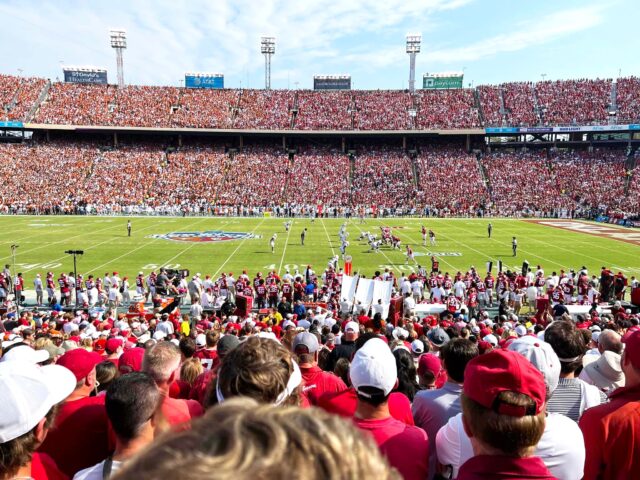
[450,182]
[383,176]
[574,101]
[561,102]
[18,97]
[201,178]
[548,388]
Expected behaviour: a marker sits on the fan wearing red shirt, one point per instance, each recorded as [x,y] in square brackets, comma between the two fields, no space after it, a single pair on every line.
[503,413]
[162,363]
[374,374]
[80,436]
[315,381]
[29,394]
[611,430]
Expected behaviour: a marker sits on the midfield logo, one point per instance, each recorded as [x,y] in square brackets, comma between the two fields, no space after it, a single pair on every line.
[208,236]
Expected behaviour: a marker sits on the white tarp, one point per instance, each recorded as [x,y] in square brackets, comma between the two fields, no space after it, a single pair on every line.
[348,288]
[382,291]
[364,294]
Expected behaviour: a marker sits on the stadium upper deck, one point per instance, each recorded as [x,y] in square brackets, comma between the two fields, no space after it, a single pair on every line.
[550,103]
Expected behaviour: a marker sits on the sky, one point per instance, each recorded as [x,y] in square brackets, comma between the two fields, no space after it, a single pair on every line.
[491,41]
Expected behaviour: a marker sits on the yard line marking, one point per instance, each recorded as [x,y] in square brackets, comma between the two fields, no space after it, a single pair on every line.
[285,246]
[519,249]
[418,244]
[88,248]
[391,264]
[333,252]
[138,248]
[237,248]
[62,241]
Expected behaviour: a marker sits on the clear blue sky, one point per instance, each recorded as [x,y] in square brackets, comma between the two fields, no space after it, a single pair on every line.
[491,40]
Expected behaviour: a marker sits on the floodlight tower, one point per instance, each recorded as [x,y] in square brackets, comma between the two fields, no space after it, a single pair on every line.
[413,48]
[267,48]
[119,43]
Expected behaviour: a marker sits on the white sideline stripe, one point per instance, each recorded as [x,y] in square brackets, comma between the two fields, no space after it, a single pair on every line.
[285,246]
[333,252]
[237,248]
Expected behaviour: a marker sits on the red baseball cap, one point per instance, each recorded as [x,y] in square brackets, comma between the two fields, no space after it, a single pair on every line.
[113,344]
[80,362]
[632,347]
[486,376]
[131,360]
[430,363]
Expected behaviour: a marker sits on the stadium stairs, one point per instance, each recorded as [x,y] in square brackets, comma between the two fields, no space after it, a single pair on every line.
[503,110]
[41,98]
[294,111]
[536,105]
[478,105]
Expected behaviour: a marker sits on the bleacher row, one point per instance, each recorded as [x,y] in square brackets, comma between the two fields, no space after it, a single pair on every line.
[61,175]
[510,104]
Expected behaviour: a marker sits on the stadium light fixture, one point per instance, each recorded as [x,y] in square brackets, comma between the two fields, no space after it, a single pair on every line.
[413,48]
[267,48]
[119,43]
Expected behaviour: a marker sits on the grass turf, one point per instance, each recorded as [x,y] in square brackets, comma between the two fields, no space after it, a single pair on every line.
[460,243]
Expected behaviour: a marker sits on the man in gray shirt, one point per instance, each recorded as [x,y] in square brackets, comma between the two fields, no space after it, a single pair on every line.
[432,409]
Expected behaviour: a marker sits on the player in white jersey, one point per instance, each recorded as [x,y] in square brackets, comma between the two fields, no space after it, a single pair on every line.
[272,242]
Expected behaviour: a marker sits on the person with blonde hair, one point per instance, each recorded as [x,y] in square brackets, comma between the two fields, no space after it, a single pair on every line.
[245,439]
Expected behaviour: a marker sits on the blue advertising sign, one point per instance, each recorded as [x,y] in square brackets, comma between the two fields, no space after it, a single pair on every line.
[203,80]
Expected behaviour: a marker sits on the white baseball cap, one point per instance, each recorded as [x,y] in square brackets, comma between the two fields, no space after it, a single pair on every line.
[353,326]
[374,366]
[492,339]
[541,356]
[27,393]
[521,330]
[417,347]
[25,354]
[201,340]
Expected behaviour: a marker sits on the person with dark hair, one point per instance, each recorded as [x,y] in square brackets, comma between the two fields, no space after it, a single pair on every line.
[407,374]
[503,412]
[433,408]
[315,381]
[374,375]
[80,436]
[345,403]
[572,396]
[106,372]
[346,347]
[132,402]
[187,348]
[30,394]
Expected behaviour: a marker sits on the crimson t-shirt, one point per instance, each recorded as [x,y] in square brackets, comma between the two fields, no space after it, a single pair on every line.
[179,413]
[44,468]
[405,446]
[81,435]
[316,382]
[344,403]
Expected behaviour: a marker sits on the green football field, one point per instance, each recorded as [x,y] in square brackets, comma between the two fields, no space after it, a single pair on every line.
[460,243]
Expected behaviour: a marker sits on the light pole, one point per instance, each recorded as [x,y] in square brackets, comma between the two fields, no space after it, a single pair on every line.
[119,43]
[267,48]
[413,48]
[75,253]
[543,75]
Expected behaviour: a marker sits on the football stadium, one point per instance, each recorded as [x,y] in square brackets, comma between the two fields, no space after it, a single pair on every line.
[282,274]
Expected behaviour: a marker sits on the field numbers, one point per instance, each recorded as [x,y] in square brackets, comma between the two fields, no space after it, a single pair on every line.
[155,266]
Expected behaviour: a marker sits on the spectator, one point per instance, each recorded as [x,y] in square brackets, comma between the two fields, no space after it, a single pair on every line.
[503,410]
[245,439]
[572,396]
[374,376]
[132,402]
[315,381]
[162,363]
[80,434]
[610,429]
[432,409]
[29,397]
[346,347]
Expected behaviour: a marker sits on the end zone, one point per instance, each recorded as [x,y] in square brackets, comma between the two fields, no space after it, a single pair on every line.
[622,234]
